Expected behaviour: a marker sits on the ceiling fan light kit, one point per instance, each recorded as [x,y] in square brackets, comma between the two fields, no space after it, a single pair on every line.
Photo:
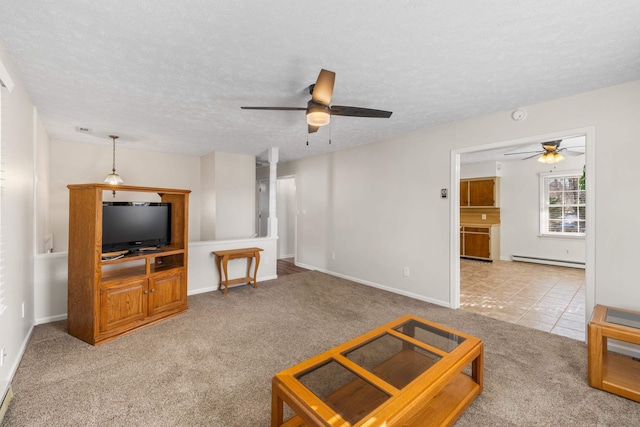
[318,114]
[550,158]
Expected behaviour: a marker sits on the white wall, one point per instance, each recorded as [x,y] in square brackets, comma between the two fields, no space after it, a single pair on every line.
[208,198]
[286,214]
[235,181]
[18,124]
[222,185]
[377,207]
[75,163]
[480,170]
[520,213]
[42,180]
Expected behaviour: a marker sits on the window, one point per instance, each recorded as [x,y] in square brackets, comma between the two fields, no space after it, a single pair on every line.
[563,205]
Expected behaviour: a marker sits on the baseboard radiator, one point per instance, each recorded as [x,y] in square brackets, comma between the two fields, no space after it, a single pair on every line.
[548,261]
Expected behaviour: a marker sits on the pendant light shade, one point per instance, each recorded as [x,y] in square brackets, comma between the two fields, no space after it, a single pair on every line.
[113,178]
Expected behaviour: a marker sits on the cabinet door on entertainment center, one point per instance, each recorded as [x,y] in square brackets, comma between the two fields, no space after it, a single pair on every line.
[166,292]
[122,305]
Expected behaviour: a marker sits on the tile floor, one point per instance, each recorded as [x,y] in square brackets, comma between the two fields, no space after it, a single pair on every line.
[543,297]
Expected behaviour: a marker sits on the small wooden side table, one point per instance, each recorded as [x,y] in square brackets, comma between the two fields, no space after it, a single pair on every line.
[223,257]
[609,371]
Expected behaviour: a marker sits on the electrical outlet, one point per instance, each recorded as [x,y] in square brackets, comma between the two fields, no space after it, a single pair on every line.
[2,356]
[484,216]
[405,272]
[333,256]
[23,309]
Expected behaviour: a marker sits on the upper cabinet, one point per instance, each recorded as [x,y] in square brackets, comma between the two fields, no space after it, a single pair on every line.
[480,192]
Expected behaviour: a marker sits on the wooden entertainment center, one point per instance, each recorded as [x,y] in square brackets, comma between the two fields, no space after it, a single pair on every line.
[108,298]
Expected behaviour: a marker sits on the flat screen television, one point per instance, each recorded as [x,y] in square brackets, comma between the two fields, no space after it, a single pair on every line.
[135,225]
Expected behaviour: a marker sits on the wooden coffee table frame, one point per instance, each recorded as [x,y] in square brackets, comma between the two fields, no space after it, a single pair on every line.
[437,397]
[608,371]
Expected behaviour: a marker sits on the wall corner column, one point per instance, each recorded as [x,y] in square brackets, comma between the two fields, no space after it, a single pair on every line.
[272,223]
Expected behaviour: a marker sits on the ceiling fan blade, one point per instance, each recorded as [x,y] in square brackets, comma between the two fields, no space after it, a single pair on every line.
[275,108]
[312,128]
[572,153]
[323,90]
[341,110]
[531,157]
[523,152]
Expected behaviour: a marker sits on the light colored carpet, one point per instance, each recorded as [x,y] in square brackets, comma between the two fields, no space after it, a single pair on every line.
[212,366]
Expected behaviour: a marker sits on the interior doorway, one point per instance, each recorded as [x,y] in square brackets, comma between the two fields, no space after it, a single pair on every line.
[455,265]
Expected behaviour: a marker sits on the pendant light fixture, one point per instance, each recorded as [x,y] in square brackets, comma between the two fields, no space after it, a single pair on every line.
[113,178]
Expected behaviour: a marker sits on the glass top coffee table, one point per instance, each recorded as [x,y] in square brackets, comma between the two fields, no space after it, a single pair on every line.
[610,371]
[407,372]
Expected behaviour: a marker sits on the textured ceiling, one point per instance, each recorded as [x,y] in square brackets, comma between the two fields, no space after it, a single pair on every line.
[171,75]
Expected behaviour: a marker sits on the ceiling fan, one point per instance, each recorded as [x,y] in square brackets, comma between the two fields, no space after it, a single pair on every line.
[319,110]
[549,154]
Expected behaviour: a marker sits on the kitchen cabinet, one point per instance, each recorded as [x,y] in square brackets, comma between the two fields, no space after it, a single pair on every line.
[480,192]
[480,242]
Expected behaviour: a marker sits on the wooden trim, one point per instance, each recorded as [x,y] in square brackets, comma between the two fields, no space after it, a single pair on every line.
[109,187]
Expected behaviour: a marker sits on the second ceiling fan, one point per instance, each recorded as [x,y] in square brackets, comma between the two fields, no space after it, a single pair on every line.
[319,110]
[550,152]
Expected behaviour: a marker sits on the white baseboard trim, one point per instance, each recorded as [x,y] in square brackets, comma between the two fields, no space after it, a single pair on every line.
[215,288]
[378,286]
[202,290]
[50,319]
[5,385]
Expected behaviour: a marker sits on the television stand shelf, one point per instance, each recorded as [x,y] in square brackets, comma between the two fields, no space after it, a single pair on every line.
[113,296]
